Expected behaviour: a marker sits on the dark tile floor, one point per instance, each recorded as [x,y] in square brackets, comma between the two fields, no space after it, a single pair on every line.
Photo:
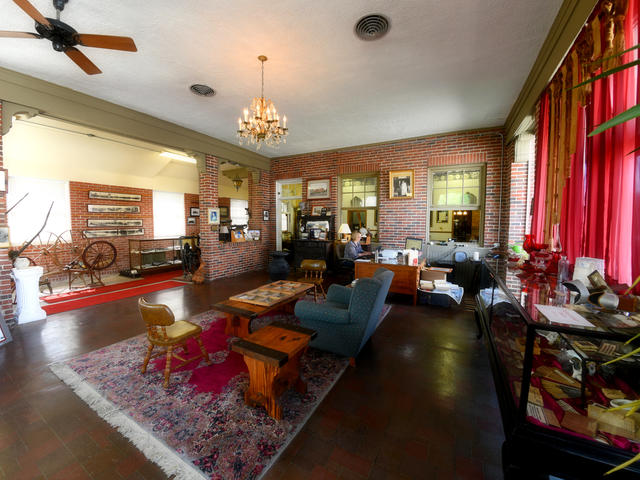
[420,403]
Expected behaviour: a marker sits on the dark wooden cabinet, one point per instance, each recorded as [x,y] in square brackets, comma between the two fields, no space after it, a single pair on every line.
[312,249]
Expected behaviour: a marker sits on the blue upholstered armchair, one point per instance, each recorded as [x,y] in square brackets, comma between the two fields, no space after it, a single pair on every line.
[349,316]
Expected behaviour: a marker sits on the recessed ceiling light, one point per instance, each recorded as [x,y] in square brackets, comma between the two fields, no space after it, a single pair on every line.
[177,156]
[372,27]
[202,90]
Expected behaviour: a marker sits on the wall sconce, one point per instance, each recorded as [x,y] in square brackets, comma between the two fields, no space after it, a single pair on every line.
[237,182]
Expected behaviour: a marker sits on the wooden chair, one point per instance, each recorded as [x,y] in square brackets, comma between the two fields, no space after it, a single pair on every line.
[164,331]
[313,272]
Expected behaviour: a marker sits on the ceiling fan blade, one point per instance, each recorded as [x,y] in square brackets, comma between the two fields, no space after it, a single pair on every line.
[82,61]
[5,33]
[106,41]
[32,12]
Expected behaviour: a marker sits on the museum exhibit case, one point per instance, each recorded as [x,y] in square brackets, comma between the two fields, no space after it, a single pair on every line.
[554,383]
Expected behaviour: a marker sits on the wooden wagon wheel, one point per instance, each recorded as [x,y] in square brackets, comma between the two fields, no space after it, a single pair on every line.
[99,255]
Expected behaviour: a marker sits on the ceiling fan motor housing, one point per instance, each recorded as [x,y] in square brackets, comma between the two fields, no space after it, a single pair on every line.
[62,36]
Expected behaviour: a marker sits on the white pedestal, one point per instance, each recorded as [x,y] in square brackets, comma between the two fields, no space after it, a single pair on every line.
[27,294]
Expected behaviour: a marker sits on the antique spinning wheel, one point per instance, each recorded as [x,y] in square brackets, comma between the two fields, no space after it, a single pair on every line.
[99,255]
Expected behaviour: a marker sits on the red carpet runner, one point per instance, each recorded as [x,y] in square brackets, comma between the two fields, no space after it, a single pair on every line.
[110,296]
[86,292]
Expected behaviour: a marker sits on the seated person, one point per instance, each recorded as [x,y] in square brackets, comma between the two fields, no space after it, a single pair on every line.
[353,250]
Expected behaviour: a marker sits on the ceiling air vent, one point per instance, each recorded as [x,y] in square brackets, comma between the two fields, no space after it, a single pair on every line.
[372,27]
[202,90]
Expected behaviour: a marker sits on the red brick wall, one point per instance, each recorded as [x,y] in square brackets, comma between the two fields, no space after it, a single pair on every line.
[225,259]
[79,192]
[191,200]
[401,218]
[5,263]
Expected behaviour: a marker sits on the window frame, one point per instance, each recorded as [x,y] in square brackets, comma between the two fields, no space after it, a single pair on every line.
[342,208]
[481,205]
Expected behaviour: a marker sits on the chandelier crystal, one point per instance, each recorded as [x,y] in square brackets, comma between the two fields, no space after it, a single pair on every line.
[261,122]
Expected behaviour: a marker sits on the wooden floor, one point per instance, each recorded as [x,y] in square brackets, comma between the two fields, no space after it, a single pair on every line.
[420,403]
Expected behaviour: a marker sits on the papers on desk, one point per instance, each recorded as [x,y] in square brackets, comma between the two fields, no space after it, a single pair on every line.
[363,260]
[564,316]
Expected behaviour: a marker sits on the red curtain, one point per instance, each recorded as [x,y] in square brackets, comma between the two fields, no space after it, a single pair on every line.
[542,155]
[598,218]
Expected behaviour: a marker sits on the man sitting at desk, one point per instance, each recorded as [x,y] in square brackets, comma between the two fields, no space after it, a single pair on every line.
[353,250]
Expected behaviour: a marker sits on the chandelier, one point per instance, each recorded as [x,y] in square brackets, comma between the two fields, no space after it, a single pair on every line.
[261,122]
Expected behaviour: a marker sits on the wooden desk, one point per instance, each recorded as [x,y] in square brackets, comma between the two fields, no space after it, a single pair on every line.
[406,278]
[272,355]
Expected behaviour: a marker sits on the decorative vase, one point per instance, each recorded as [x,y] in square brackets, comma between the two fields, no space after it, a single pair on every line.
[529,244]
[21,262]
[278,267]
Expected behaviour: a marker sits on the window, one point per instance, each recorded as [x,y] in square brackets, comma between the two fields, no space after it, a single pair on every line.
[457,202]
[238,212]
[28,216]
[168,214]
[359,207]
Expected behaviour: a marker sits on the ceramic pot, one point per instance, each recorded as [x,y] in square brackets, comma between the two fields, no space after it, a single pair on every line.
[278,267]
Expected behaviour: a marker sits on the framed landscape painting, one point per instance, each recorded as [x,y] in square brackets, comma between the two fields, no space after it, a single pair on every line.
[318,188]
[401,184]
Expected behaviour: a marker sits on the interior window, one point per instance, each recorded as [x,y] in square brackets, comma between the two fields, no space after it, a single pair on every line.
[359,203]
[457,203]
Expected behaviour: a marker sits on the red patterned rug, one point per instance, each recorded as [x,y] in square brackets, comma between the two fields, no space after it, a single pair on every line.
[199,427]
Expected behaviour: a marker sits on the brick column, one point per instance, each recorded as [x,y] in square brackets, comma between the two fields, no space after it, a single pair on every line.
[5,264]
[225,259]
[208,198]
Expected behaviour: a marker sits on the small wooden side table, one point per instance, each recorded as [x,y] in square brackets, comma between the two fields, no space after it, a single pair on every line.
[272,355]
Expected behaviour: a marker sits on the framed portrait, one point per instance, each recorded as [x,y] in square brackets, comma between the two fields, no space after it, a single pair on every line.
[317,210]
[318,188]
[213,216]
[191,220]
[401,184]
[442,216]
[265,215]
[224,212]
[194,212]
[4,237]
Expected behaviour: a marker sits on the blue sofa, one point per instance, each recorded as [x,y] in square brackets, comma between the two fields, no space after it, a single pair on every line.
[349,316]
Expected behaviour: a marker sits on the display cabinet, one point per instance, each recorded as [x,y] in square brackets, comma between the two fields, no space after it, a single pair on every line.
[155,255]
[551,380]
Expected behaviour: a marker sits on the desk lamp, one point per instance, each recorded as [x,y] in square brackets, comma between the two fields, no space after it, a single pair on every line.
[344,230]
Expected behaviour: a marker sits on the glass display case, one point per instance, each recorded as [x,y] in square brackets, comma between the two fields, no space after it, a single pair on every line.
[552,379]
[155,255]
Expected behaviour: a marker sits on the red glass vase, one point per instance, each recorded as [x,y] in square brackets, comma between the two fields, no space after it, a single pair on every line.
[529,243]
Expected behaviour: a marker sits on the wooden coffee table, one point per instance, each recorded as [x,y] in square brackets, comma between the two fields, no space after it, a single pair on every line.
[272,355]
[240,313]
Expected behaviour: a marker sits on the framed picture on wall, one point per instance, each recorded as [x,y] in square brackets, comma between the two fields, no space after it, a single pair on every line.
[4,237]
[194,212]
[191,220]
[319,188]
[442,216]
[401,184]
[224,213]
[317,210]
[213,216]
[265,215]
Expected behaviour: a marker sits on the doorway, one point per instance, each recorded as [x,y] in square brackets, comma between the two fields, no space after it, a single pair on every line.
[288,198]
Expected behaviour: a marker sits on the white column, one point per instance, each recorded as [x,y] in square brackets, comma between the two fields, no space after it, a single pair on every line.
[28,294]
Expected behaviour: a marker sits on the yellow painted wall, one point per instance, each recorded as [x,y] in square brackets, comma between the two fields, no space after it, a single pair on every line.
[45,152]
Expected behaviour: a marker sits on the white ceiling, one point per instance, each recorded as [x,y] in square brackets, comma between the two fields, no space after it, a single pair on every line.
[444,65]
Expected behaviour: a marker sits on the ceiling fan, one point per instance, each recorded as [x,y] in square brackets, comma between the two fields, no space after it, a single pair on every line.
[64,38]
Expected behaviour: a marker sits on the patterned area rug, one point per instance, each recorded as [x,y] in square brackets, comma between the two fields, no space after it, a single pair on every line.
[199,427]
